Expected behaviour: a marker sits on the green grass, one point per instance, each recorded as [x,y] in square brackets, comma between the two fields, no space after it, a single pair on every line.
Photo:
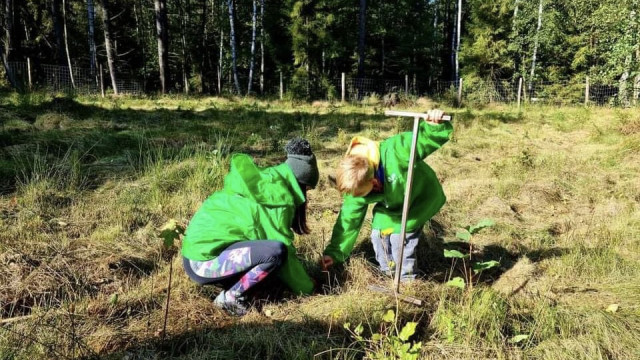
[85,183]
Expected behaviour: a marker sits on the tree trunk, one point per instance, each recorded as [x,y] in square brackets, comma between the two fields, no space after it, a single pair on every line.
[453,44]
[253,45]
[184,22]
[458,30]
[163,41]
[535,49]
[232,40]
[66,42]
[205,49]
[139,17]
[361,37]
[106,22]
[261,46]
[58,31]
[93,58]
[220,62]
[5,47]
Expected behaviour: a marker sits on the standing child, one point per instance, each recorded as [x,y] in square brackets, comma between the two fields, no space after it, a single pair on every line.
[372,173]
[244,232]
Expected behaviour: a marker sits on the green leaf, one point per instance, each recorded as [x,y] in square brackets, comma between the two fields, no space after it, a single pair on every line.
[456,282]
[346,325]
[358,330]
[114,299]
[389,317]
[481,266]
[408,330]
[169,232]
[376,337]
[518,338]
[464,235]
[455,254]
[481,225]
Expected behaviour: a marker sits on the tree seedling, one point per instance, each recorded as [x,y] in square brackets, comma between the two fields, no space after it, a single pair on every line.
[477,268]
[169,233]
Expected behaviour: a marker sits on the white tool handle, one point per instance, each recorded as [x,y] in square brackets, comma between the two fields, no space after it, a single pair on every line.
[413,114]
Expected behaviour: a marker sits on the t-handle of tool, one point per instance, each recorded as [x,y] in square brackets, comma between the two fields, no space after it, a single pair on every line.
[414,114]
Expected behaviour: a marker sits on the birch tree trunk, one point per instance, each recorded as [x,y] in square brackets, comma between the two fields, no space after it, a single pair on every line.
[253,45]
[163,41]
[220,62]
[458,29]
[106,22]
[261,46]
[232,40]
[361,36]
[66,42]
[535,49]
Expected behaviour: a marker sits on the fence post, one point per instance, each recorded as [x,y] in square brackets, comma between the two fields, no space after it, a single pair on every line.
[519,91]
[101,81]
[281,87]
[586,91]
[29,72]
[343,83]
[460,93]
[406,84]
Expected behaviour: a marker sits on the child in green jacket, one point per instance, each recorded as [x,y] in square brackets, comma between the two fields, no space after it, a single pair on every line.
[372,173]
[244,232]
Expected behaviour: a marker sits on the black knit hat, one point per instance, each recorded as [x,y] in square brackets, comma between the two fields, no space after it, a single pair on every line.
[302,162]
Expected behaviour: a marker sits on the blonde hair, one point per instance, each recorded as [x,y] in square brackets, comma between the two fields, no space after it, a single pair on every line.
[353,171]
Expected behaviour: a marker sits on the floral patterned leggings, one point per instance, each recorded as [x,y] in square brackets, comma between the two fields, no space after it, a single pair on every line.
[239,267]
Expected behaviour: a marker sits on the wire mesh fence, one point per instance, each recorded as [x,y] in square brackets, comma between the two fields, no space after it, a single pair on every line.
[26,76]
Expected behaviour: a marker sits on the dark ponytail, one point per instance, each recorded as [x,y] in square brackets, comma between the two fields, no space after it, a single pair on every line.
[299,225]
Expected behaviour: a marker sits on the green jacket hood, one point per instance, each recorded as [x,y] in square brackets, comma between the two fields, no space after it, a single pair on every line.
[275,186]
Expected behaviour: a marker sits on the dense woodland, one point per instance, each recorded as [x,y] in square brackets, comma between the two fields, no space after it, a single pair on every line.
[204,45]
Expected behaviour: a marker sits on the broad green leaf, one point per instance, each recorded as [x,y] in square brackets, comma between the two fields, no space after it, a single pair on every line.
[376,337]
[518,338]
[169,232]
[408,330]
[455,254]
[389,317]
[346,325]
[456,282]
[481,266]
[114,299]
[464,235]
[481,225]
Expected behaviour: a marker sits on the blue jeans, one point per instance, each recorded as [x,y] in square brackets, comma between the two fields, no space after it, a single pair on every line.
[387,249]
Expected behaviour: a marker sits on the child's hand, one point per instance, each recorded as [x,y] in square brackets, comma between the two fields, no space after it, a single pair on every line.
[326,262]
[434,116]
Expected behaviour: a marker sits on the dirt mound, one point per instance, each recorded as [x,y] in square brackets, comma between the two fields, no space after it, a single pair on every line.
[517,278]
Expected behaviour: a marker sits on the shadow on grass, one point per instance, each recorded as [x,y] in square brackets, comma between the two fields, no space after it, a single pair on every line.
[432,264]
[106,140]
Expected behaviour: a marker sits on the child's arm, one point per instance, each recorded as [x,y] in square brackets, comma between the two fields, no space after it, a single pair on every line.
[431,137]
[347,227]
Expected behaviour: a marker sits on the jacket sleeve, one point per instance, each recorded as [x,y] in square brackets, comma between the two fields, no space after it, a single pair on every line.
[347,227]
[292,273]
[430,138]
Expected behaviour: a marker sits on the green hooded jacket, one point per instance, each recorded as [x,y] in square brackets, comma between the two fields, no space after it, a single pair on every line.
[254,204]
[427,196]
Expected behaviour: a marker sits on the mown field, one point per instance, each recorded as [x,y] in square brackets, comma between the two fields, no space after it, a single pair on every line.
[86,183]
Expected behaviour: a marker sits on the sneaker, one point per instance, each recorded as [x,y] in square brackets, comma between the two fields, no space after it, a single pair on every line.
[233,305]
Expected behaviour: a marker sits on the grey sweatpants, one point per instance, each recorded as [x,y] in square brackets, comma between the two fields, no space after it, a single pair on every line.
[387,249]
